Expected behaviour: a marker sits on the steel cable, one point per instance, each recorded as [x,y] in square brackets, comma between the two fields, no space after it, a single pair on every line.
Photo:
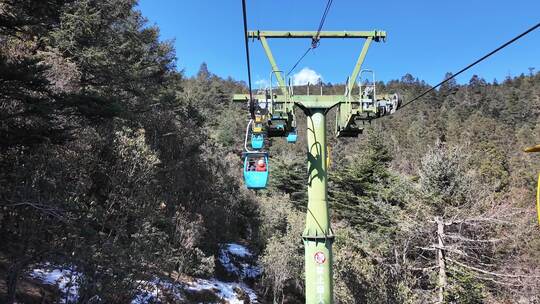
[472,64]
[315,39]
[251,101]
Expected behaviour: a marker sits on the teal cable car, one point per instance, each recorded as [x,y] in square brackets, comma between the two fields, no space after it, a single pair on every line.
[257,141]
[256,170]
[292,136]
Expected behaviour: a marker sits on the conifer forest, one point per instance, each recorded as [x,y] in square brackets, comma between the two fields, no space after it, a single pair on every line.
[121,178]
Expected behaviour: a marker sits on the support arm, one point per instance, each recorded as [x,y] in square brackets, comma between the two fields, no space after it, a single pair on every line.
[358,66]
[275,68]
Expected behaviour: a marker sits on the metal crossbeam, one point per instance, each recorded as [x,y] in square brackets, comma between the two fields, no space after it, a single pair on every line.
[376,35]
[303,101]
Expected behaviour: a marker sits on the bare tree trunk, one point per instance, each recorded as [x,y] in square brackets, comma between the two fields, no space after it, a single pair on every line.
[11,282]
[441,263]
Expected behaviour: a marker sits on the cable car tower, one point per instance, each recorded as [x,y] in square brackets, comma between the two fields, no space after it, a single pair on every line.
[274,117]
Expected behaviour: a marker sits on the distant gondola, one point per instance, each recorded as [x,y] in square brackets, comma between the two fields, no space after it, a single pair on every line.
[292,136]
[257,141]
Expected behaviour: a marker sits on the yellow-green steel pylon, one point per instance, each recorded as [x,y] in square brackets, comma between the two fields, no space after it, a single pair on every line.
[317,236]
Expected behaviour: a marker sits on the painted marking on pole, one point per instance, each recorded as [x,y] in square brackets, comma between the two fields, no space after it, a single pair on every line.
[320,282]
[320,258]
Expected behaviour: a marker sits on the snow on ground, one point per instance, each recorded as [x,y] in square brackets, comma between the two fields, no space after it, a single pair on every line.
[226,292]
[229,292]
[67,280]
[237,250]
[236,259]
[150,291]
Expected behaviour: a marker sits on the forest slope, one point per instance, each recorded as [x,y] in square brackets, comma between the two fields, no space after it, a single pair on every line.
[116,163]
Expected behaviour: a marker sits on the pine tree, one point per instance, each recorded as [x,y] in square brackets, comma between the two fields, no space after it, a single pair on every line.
[361,192]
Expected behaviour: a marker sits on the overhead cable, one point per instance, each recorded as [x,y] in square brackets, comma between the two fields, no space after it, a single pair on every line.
[315,39]
[251,101]
[473,64]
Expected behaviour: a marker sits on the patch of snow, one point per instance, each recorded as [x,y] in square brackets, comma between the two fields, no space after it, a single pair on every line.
[66,279]
[250,271]
[225,260]
[238,250]
[235,258]
[229,256]
[149,291]
[225,291]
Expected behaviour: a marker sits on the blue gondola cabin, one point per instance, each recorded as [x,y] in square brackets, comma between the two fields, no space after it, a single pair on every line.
[256,170]
[257,141]
[292,136]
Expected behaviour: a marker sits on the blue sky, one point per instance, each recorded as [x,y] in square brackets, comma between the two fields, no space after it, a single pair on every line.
[425,38]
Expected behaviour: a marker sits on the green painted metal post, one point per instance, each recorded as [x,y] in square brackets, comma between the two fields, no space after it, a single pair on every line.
[318,235]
